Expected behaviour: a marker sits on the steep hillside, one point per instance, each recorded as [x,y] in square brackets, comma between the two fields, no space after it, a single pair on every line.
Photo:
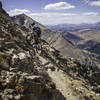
[22,75]
[27,74]
[56,40]
[24,20]
[84,36]
[87,40]
[91,40]
[72,37]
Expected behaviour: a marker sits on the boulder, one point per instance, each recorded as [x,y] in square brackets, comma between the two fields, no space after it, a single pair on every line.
[95,78]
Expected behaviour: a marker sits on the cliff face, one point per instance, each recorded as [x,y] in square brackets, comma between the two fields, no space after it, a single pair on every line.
[27,74]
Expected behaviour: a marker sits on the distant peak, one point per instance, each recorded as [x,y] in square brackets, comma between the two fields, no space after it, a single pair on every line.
[21,15]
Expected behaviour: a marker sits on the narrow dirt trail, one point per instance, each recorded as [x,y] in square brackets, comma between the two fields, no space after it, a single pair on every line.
[61,80]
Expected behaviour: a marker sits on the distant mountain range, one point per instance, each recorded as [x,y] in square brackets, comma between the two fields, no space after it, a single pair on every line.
[74,27]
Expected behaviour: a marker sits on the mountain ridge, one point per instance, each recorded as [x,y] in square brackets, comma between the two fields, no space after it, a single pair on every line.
[27,74]
[74,27]
[56,40]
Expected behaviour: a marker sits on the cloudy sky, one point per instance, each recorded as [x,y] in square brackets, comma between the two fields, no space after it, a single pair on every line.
[51,12]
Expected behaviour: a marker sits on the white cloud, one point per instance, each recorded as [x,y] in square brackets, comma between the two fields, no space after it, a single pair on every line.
[90,14]
[17,11]
[61,18]
[59,6]
[86,1]
[93,3]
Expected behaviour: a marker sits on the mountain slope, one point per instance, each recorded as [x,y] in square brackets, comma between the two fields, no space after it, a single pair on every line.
[89,40]
[55,39]
[20,79]
[84,36]
[44,75]
[81,35]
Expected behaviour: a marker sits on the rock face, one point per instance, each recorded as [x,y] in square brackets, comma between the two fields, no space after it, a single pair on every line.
[42,74]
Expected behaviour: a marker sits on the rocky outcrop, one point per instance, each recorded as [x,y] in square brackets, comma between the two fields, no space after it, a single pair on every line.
[23,86]
[95,77]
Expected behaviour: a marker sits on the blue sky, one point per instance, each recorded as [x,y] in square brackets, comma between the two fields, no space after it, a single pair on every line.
[56,11]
